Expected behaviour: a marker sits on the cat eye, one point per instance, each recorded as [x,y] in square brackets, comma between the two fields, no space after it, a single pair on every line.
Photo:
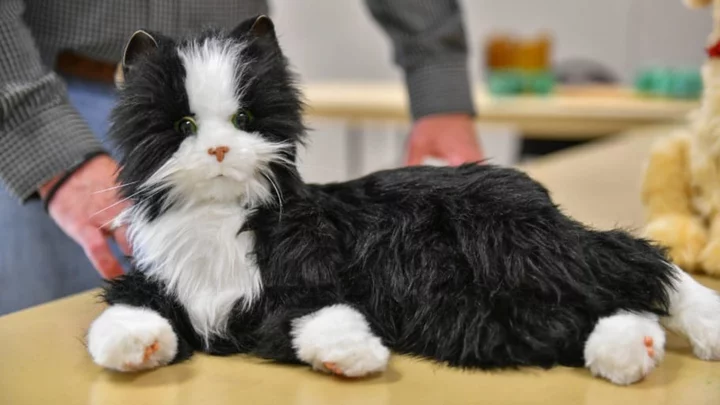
[241,119]
[186,126]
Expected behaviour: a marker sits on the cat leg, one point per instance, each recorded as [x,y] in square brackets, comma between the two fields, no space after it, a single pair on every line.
[137,330]
[625,347]
[127,338]
[338,339]
[695,313]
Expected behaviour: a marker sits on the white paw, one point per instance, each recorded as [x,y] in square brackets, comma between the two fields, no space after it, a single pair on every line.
[700,322]
[706,342]
[626,347]
[702,328]
[128,338]
[695,312]
[338,339]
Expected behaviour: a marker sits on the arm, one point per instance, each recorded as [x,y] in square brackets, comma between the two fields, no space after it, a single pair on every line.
[42,135]
[430,46]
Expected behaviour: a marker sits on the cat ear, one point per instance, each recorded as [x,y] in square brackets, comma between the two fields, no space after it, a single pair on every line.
[141,44]
[263,27]
[260,27]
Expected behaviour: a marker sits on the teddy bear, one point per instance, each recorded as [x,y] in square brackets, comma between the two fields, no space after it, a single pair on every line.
[681,183]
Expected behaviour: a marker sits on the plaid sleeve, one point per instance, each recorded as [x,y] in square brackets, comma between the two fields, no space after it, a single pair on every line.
[429,41]
[41,134]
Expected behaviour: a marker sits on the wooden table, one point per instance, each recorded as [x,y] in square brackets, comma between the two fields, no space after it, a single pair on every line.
[43,359]
[571,113]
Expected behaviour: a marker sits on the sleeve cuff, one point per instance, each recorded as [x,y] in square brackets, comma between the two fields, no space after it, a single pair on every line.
[39,149]
[440,88]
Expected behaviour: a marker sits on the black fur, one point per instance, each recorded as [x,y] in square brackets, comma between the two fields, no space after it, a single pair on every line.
[471,266]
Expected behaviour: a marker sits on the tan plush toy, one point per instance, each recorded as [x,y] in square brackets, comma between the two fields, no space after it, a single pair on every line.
[681,187]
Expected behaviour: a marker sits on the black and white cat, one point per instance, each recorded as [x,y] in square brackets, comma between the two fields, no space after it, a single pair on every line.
[473,266]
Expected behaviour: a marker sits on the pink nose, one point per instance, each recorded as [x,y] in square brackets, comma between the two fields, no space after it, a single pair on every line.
[219,152]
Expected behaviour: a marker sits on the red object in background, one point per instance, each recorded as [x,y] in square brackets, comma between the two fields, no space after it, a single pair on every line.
[714,51]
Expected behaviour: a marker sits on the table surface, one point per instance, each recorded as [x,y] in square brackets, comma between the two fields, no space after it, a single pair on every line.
[573,112]
[43,358]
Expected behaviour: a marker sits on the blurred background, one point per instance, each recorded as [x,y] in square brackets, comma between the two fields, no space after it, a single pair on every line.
[623,37]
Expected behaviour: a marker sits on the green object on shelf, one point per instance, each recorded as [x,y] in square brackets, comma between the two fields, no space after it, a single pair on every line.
[687,84]
[540,83]
[504,83]
[644,82]
[662,86]
[669,83]
[515,82]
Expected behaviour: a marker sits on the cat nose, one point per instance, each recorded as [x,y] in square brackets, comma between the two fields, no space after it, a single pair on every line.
[219,152]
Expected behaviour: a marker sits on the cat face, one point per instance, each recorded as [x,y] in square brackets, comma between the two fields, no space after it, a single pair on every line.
[214,118]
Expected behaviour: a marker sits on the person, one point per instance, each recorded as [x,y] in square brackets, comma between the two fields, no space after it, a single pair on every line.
[53,121]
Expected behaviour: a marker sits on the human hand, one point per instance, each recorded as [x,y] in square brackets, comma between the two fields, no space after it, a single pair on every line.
[450,137]
[84,208]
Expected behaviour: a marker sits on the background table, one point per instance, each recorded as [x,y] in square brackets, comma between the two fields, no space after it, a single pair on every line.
[43,359]
[571,113]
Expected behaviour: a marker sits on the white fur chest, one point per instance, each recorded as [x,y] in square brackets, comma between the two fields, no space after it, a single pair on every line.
[197,253]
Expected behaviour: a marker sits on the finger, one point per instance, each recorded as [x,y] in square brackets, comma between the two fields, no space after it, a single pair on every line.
[457,160]
[415,156]
[120,235]
[98,251]
[461,154]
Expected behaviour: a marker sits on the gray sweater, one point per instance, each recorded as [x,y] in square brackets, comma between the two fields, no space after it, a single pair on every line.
[41,134]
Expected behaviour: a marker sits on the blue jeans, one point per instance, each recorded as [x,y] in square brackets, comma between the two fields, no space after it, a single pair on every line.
[38,262]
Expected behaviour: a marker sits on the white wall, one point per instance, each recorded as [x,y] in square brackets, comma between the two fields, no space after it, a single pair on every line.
[338,39]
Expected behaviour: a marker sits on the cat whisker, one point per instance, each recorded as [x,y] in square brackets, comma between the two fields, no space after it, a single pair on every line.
[144,189]
[103,226]
[114,188]
[114,204]
[162,174]
[277,191]
[282,161]
[139,146]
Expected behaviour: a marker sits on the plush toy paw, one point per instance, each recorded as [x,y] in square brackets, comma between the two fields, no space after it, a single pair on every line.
[710,258]
[125,338]
[338,340]
[695,313]
[684,236]
[352,358]
[624,348]
[705,337]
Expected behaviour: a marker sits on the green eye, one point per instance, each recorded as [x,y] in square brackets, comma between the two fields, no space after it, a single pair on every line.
[241,119]
[186,126]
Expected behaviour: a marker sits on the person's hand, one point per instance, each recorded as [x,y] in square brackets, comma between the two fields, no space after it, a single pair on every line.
[450,137]
[84,208]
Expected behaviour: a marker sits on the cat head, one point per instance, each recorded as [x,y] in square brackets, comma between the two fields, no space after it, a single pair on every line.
[212,118]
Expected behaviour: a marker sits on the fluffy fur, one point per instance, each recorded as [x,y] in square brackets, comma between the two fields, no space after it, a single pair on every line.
[471,266]
[625,347]
[694,313]
[196,253]
[128,338]
[681,185]
[338,336]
